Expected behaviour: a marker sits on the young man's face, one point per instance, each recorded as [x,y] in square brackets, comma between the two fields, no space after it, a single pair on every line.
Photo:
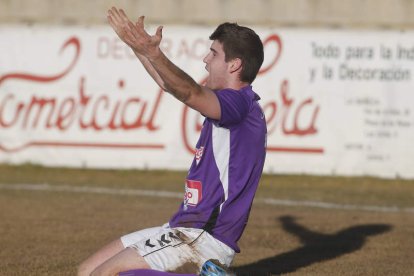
[216,67]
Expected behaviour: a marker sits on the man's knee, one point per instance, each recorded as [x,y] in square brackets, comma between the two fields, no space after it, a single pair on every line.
[99,257]
[127,259]
[99,271]
[84,269]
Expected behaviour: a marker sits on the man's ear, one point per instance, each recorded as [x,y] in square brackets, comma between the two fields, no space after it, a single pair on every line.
[235,65]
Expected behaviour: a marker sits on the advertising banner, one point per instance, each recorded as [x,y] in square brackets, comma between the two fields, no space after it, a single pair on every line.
[336,102]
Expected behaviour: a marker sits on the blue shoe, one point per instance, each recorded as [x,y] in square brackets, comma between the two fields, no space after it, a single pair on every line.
[211,269]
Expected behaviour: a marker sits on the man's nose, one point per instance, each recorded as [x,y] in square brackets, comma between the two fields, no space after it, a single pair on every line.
[205,59]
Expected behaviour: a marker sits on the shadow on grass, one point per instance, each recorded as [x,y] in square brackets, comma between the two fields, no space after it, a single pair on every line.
[317,247]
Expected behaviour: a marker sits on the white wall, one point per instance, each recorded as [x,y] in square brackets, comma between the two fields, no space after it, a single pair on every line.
[336,102]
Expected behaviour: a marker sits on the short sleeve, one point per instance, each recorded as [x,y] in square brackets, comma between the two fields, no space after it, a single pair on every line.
[234,106]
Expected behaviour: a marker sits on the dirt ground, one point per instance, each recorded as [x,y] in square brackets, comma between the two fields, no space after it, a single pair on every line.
[49,232]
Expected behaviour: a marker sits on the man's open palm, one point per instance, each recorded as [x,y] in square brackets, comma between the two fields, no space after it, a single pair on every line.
[134,35]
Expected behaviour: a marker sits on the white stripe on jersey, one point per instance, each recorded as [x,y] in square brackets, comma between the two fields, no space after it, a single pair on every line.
[221,151]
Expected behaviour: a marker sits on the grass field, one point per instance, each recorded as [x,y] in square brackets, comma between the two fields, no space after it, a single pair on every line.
[367,229]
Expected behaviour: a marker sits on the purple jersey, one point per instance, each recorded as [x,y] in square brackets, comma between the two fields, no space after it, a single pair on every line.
[225,172]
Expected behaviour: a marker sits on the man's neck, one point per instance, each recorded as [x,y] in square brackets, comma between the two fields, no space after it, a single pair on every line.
[237,85]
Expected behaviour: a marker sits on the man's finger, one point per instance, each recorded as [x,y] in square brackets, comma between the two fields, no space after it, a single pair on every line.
[133,29]
[123,15]
[140,28]
[113,24]
[158,33]
[129,36]
[115,15]
[140,22]
[111,21]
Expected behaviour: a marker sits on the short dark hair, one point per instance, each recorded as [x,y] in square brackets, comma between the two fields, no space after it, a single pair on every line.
[241,42]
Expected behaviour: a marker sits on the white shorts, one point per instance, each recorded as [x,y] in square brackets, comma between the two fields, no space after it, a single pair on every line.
[178,249]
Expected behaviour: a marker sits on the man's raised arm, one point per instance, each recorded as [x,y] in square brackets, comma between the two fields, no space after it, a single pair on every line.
[167,75]
[118,19]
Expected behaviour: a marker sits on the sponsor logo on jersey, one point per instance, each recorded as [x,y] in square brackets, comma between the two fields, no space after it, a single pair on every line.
[199,154]
[193,193]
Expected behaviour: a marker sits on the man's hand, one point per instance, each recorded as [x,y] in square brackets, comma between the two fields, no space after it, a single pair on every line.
[167,75]
[134,35]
